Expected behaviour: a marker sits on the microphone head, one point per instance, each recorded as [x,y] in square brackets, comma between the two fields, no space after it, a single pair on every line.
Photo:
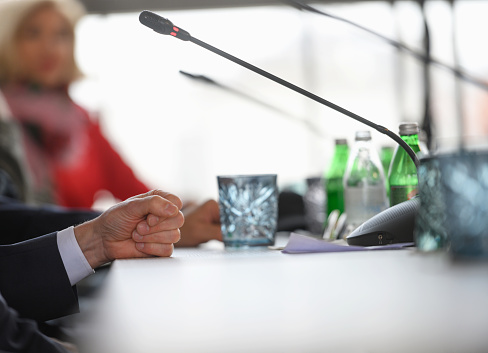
[155,22]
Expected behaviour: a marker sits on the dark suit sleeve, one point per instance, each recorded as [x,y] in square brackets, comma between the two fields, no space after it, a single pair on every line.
[22,335]
[33,279]
[21,222]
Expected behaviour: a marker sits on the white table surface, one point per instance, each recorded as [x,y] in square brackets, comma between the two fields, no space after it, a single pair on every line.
[214,300]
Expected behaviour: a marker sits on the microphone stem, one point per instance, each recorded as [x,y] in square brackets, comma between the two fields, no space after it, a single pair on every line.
[312,96]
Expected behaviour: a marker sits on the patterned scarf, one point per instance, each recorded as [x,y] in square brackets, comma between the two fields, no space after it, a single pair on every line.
[49,119]
[54,132]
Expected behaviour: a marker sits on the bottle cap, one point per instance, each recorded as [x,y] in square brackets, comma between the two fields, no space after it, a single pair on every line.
[363,135]
[409,129]
[341,141]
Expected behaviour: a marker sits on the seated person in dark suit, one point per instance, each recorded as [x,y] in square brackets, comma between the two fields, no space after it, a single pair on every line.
[38,276]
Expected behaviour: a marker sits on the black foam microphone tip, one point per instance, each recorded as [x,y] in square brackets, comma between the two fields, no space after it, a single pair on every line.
[155,22]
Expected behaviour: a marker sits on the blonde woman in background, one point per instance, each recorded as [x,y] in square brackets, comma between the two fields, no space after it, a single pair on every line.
[68,158]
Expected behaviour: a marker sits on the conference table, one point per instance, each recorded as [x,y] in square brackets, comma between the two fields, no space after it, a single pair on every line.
[212,299]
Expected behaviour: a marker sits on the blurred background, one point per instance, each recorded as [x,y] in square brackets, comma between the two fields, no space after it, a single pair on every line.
[178,134]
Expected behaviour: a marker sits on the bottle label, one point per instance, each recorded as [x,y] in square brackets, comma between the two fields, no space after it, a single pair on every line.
[400,193]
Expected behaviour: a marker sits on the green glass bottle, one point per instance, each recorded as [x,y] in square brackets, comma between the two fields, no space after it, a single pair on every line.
[333,177]
[402,174]
[386,156]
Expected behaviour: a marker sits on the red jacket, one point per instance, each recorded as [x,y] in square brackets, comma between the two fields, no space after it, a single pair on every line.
[68,158]
[99,167]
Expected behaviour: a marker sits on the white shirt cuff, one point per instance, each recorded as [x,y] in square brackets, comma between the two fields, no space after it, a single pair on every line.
[75,263]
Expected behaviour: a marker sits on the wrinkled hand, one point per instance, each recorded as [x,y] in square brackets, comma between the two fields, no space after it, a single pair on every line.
[142,226]
[201,225]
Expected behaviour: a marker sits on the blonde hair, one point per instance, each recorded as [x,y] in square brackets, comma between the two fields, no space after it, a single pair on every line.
[12,14]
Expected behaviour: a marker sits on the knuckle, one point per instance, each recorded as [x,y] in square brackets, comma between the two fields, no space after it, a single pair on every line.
[172,236]
[157,192]
[154,201]
[168,196]
[180,219]
[132,206]
[174,199]
[177,236]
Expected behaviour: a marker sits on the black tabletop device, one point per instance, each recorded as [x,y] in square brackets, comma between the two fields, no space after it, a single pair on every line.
[394,225]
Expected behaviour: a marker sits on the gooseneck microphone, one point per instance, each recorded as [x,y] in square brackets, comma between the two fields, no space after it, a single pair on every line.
[164,26]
